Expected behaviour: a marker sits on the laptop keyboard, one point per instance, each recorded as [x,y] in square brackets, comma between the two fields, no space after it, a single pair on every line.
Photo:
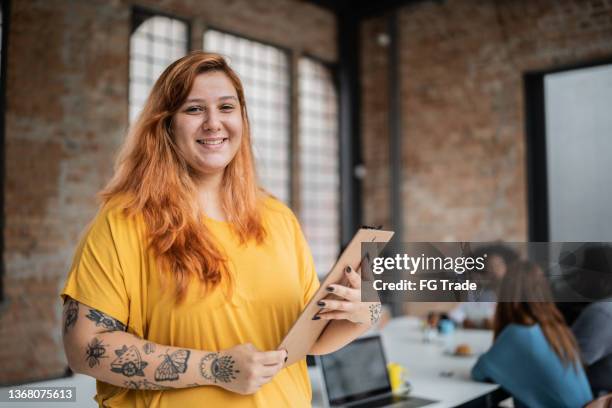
[380,402]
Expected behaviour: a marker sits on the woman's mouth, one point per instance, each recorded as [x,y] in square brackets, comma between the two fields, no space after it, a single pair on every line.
[212,143]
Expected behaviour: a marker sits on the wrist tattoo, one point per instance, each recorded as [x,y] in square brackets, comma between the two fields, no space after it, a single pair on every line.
[128,362]
[215,367]
[95,351]
[72,314]
[104,320]
[375,311]
[173,365]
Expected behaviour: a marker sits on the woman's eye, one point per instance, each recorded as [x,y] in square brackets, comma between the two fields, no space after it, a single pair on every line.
[227,107]
[193,109]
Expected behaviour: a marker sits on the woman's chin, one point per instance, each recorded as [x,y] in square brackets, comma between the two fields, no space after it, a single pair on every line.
[210,169]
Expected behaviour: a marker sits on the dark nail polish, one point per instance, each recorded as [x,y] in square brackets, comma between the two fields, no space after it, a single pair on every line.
[348,269]
[329,289]
[316,318]
[321,303]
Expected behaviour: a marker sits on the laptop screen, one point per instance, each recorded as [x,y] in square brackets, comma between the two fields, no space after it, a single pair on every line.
[357,371]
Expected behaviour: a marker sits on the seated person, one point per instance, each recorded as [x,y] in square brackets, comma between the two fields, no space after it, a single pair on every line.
[534,356]
[593,331]
[591,276]
[478,311]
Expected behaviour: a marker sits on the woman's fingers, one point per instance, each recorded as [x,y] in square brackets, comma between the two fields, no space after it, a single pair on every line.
[272,357]
[353,295]
[334,315]
[330,305]
[270,370]
[353,277]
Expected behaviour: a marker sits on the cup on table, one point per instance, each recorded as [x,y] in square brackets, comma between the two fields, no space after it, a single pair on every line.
[398,375]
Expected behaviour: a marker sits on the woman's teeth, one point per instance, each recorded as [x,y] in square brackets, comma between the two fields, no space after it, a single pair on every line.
[210,142]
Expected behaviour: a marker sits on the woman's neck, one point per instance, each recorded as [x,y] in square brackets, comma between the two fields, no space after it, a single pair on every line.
[209,196]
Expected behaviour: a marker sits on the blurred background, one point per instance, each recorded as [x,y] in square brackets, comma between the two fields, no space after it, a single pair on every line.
[443,120]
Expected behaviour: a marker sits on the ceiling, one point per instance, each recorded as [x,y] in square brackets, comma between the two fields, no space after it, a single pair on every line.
[361,8]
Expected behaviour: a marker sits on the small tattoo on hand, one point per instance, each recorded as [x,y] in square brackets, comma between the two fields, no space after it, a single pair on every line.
[375,311]
[218,368]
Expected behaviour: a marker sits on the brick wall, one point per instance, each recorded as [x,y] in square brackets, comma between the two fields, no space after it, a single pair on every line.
[462,61]
[375,121]
[66,115]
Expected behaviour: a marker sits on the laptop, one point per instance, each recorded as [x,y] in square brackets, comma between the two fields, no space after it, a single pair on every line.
[356,377]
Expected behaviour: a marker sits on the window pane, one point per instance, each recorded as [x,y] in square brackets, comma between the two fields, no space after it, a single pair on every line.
[156,43]
[319,162]
[264,72]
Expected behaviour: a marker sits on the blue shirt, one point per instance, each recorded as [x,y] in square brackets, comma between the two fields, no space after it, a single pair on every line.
[523,363]
[593,331]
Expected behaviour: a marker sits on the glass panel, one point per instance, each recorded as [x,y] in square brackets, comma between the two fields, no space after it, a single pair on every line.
[155,44]
[264,76]
[319,162]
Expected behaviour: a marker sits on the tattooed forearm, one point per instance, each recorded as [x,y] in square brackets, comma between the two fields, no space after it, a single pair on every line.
[72,313]
[95,351]
[104,320]
[375,311]
[145,385]
[215,368]
[128,362]
[173,365]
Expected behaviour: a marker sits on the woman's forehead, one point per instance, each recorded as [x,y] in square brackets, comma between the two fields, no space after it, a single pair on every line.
[212,86]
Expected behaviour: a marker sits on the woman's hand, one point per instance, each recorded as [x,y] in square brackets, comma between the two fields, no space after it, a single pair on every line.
[242,369]
[350,307]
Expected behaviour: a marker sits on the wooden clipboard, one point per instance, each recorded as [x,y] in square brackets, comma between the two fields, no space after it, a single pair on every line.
[305,331]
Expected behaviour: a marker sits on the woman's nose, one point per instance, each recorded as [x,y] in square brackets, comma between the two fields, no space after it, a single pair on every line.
[212,122]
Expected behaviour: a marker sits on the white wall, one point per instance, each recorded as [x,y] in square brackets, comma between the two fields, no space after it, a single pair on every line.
[579,153]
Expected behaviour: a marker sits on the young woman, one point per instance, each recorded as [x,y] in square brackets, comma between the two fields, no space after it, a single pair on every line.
[534,357]
[190,275]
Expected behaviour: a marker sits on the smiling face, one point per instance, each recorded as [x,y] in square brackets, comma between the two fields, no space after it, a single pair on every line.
[208,126]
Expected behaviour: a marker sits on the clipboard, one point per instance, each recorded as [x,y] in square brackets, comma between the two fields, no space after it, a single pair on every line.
[305,331]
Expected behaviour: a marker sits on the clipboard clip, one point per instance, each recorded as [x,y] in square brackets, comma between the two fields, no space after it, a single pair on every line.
[375,227]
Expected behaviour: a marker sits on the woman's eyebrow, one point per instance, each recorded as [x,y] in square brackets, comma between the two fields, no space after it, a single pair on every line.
[222,98]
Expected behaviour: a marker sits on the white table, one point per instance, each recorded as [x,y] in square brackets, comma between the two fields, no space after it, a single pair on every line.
[425,362]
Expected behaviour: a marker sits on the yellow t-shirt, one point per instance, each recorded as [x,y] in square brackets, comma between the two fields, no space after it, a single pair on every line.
[115,273]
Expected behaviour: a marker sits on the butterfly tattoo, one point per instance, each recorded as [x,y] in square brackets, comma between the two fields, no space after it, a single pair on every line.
[173,365]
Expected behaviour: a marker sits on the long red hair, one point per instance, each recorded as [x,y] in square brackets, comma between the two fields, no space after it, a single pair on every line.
[526,299]
[156,180]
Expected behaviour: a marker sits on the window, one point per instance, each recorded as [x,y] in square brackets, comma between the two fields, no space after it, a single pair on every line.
[264,72]
[156,41]
[319,162]
[266,75]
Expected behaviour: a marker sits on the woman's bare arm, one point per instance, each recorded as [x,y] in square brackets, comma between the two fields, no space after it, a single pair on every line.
[98,345]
